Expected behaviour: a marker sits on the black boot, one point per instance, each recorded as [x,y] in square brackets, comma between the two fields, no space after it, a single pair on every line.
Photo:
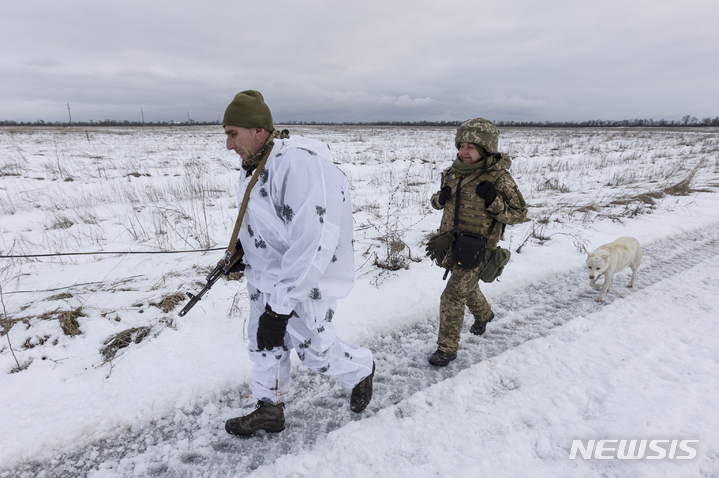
[479,327]
[266,417]
[362,393]
[441,359]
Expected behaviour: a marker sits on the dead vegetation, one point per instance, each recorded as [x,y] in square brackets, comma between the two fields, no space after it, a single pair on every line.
[169,302]
[67,318]
[21,367]
[683,187]
[588,208]
[69,324]
[6,323]
[539,234]
[553,184]
[234,276]
[61,222]
[33,342]
[640,169]
[395,258]
[122,340]
[648,198]
[645,202]
[631,206]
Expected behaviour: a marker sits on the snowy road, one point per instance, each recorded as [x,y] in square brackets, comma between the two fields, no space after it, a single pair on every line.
[194,443]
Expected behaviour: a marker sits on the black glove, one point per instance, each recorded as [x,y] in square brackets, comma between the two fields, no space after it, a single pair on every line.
[487,191]
[444,194]
[271,329]
[238,267]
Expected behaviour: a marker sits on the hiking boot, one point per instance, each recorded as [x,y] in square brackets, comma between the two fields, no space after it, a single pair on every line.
[441,359]
[478,327]
[362,393]
[266,416]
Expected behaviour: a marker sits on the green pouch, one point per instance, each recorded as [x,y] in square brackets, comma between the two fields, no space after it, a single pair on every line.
[494,262]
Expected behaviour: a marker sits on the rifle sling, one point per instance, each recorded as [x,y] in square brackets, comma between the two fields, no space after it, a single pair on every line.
[243,207]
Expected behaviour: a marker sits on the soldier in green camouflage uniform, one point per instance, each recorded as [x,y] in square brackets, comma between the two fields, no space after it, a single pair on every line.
[488,200]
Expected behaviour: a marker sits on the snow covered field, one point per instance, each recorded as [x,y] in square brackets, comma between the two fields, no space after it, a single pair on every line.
[100,377]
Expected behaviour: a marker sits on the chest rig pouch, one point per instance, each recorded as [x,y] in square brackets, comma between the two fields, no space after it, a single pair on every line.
[469,248]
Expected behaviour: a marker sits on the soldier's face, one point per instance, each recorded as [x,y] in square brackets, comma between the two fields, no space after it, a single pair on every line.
[244,141]
[468,153]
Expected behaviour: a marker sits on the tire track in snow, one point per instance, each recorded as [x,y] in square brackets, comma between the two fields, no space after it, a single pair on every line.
[194,443]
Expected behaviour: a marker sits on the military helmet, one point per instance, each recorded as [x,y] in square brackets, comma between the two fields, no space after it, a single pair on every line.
[478,131]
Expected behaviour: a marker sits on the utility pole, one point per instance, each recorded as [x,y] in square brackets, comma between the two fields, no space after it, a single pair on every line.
[68,112]
[143,116]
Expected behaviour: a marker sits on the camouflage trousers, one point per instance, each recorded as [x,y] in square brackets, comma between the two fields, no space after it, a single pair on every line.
[462,289]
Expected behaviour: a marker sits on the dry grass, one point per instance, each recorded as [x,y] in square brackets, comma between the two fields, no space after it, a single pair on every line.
[60,221]
[553,184]
[67,318]
[179,204]
[21,367]
[169,302]
[588,208]
[8,323]
[122,340]
[234,276]
[683,187]
[31,343]
[648,198]
[396,258]
[68,322]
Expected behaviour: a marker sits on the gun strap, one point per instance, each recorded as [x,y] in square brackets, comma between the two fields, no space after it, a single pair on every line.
[243,207]
[456,205]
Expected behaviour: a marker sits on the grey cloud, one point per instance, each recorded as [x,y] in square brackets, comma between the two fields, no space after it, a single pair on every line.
[42,62]
[361,61]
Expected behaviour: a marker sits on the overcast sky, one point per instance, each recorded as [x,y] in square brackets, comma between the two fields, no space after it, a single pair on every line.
[322,60]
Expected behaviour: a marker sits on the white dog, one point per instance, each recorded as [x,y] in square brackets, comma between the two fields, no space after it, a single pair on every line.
[611,258]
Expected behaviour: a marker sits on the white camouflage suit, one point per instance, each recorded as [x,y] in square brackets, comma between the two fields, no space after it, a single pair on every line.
[297,240]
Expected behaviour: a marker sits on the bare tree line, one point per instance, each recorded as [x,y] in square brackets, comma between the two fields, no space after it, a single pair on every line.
[685,121]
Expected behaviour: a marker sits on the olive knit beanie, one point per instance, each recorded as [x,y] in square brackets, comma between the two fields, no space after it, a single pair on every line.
[248,110]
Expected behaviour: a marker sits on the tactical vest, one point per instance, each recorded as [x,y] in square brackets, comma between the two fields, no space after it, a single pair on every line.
[473,216]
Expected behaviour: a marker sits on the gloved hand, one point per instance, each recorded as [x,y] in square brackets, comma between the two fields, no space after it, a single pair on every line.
[271,329]
[238,266]
[438,246]
[487,191]
[444,194]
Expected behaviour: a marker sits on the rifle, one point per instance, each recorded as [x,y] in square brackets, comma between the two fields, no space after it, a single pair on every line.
[223,267]
[234,251]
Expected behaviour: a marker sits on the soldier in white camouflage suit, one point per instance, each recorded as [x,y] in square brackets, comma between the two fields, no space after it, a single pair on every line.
[479,197]
[297,240]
